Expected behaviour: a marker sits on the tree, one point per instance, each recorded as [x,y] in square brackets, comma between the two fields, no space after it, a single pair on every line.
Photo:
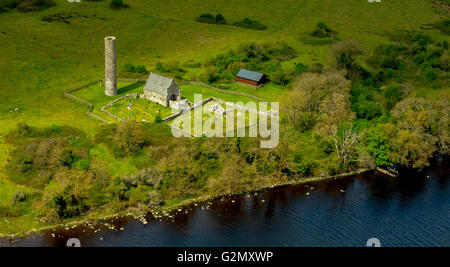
[128,138]
[392,95]
[322,98]
[422,131]
[345,53]
[345,145]
[379,143]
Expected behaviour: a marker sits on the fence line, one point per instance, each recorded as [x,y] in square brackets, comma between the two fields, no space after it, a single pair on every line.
[225,91]
[84,102]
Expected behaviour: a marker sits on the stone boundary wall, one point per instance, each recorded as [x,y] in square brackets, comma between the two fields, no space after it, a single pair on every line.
[84,102]
[225,91]
[193,106]
[268,113]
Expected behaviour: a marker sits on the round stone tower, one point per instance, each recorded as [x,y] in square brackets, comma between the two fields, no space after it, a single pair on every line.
[110,66]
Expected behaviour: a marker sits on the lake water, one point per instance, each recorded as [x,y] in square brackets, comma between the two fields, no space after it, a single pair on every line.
[410,210]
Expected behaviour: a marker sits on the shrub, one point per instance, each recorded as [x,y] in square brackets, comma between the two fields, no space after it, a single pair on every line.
[67,157]
[211,75]
[345,53]
[315,68]
[206,18]
[300,68]
[141,69]
[158,118]
[129,67]
[6,5]
[431,74]
[10,211]
[34,5]
[220,19]
[160,67]
[25,163]
[378,145]
[81,165]
[322,31]
[210,18]
[23,130]
[444,26]
[118,4]
[19,196]
[149,177]
[392,95]
[279,77]
[250,24]
[422,39]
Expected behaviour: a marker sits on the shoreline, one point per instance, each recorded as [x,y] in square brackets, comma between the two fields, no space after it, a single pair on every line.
[173,207]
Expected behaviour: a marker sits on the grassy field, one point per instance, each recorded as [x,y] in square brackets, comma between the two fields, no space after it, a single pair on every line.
[40,60]
[189,90]
[140,110]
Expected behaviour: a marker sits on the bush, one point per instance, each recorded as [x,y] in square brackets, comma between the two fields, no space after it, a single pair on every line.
[6,5]
[129,67]
[279,77]
[431,74]
[25,163]
[378,145]
[160,67]
[392,95]
[422,39]
[10,211]
[67,157]
[19,196]
[158,118]
[211,19]
[206,18]
[220,19]
[34,5]
[135,69]
[149,177]
[345,53]
[300,68]
[118,4]
[81,165]
[23,130]
[301,167]
[250,24]
[323,31]
[141,69]
[315,68]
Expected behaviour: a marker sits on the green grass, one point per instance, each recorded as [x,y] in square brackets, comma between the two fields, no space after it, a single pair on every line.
[141,110]
[189,90]
[95,95]
[268,92]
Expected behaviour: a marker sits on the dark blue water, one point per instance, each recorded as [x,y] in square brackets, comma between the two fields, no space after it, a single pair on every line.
[410,210]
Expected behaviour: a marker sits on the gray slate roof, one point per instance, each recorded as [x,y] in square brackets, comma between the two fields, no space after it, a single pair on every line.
[158,84]
[250,75]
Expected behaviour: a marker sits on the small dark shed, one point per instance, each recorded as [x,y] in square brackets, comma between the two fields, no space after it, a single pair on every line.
[250,77]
